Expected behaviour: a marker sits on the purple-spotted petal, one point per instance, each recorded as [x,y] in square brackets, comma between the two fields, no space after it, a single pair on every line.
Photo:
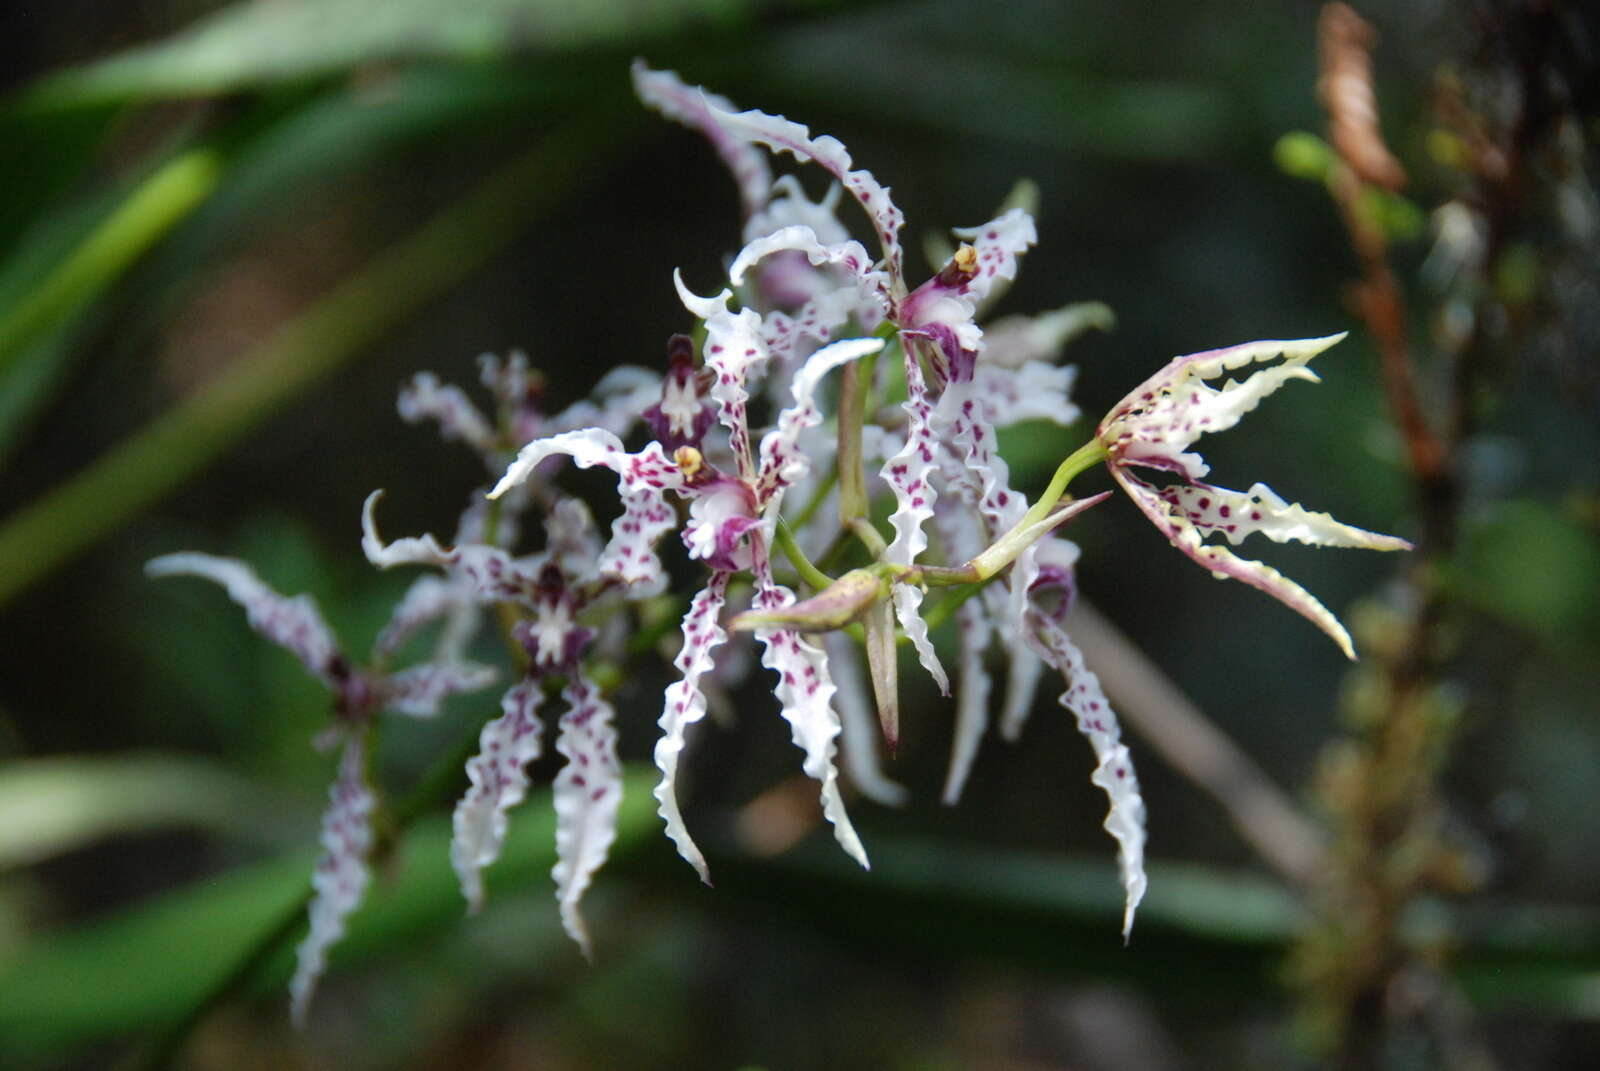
[999,244]
[643,478]
[340,880]
[734,350]
[493,574]
[1236,514]
[292,623]
[588,791]
[805,694]
[782,462]
[427,600]
[1087,702]
[692,106]
[686,704]
[425,398]
[909,476]
[1224,564]
[1163,416]
[781,135]
[1031,391]
[418,690]
[498,779]
[858,741]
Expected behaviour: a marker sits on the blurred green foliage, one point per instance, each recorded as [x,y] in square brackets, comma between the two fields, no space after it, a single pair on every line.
[222,249]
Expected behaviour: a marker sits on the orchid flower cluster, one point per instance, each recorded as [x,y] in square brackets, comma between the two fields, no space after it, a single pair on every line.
[767,490]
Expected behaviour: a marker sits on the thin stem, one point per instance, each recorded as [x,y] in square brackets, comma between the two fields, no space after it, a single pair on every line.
[797,557]
[870,537]
[1083,458]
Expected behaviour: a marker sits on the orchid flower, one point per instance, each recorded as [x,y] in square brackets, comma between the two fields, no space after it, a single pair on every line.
[359,694]
[1157,423]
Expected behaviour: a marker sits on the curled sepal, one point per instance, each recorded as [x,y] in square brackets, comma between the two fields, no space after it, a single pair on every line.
[643,479]
[498,779]
[488,571]
[805,691]
[418,690]
[782,462]
[691,106]
[1086,701]
[908,475]
[686,704]
[340,880]
[292,623]
[588,791]
[781,135]
[734,350]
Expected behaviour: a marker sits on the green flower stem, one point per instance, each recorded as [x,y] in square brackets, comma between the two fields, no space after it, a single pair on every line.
[870,537]
[797,558]
[166,197]
[174,446]
[1084,457]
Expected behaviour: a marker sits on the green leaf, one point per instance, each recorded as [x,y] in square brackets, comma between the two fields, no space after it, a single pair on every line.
[249,45]
[332,330]
[49,806]
[150,966]
[1532,567]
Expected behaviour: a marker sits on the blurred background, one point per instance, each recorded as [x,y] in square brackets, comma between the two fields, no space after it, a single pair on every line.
[230,232]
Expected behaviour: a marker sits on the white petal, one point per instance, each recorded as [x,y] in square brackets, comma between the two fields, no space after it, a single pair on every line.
[999,244]
[805,693]
[292,623]
[588,791]
[616,404]
[1163,416]
[734,350]
[782,462]
[1015,340]
[909,475]
[685,705]
[643,479]
[1237,514]
[973,633]
[691,106]
[1033,390]
[418,690]
[859,724]
[428,599]
[1224,564]
[341,877]
[459,420]
[498,779]
[1085,700]
[780,135]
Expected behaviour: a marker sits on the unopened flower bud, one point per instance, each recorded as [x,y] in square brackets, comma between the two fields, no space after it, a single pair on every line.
[834,607]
